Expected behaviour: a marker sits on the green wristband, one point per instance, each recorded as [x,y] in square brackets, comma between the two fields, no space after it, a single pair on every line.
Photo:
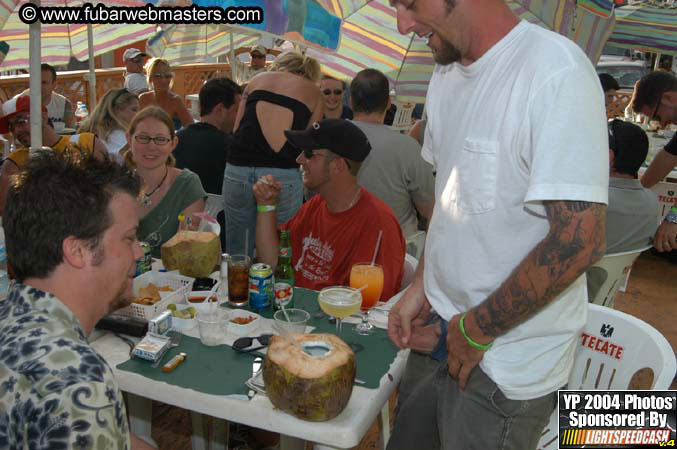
[472,343]
[265,208]
[673,209]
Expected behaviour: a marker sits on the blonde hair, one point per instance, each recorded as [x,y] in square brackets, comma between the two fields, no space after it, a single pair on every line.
[152,66]
[153,112]
[294,62]
[103,120]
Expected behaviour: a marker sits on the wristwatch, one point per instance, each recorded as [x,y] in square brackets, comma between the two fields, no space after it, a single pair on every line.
[672,215]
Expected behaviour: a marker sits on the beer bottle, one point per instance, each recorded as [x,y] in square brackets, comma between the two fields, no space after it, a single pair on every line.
[284,274]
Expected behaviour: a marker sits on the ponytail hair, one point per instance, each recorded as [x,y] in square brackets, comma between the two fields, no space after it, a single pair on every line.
[294,62]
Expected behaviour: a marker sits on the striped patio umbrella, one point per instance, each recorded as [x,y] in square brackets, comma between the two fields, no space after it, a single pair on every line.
[59,42]
[648,27]
[186,44]
[369,38]
[302,21]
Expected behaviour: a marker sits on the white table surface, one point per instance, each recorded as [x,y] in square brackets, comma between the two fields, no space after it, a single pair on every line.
[344,431]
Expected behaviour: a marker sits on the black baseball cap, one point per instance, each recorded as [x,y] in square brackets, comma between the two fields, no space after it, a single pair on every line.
[338,135]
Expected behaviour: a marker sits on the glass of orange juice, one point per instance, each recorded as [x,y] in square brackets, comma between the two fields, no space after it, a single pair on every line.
[369,279]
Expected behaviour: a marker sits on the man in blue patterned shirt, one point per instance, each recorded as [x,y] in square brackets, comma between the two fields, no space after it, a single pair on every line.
[70,230]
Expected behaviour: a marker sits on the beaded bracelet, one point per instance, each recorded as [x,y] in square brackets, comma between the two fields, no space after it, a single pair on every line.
[470,340]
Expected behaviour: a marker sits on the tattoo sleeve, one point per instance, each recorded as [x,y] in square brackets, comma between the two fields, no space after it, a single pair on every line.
[576,240]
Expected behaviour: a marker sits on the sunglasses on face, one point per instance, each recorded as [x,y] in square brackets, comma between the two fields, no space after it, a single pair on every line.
[310,153]
[257,56]
[137,60]
[335,91]
[163,75]
[244,344]
[655,115]
[157,140]
[19,121]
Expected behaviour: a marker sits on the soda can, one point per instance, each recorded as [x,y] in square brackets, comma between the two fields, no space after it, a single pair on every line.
[260,286]
[144,264]
[283,295]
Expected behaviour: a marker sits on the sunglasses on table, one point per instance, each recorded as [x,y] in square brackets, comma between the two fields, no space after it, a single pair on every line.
[157,140]
[335,91]
[244,344]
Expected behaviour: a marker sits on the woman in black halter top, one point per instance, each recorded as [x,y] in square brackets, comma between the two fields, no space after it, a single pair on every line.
[288,97]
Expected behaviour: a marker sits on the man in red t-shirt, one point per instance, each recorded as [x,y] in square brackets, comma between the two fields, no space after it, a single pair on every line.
[340,226]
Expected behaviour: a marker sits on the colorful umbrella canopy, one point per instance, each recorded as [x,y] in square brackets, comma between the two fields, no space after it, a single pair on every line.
[59,42]
[185,44]
[369,38]
[647,27]
[301,21]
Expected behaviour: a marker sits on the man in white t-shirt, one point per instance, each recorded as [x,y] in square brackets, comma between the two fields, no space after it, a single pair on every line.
[135,78]
[59,108]
[517,133]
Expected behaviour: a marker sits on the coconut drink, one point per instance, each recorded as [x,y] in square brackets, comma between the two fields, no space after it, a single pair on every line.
[194,253]
[311,377]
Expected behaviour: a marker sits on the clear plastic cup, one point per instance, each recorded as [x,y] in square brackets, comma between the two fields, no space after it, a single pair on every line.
[297,320]
[212,326]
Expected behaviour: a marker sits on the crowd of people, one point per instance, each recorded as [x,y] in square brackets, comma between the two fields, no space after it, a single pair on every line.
[517,210]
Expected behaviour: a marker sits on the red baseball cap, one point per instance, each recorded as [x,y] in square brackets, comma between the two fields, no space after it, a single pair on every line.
[13,106]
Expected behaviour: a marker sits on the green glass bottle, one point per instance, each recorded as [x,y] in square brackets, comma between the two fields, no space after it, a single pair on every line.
[284,274]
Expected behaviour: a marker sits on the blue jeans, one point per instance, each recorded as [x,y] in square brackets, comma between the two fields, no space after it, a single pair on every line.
[239,204]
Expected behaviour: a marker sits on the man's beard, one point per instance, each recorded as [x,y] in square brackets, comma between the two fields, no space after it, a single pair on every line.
[446,54]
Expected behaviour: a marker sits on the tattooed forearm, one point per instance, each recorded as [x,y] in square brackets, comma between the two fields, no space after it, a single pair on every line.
[576,240]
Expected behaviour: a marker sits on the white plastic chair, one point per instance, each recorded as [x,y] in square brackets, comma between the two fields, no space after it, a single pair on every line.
[415,244]
[667,195]
[402,119]
[617,267]
[643,347]
[214,204]
[410,265]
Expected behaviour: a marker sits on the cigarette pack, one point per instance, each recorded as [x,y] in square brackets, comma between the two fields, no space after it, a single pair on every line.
[151,347]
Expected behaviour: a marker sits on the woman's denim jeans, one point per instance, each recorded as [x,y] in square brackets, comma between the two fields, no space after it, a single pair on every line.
[239,203]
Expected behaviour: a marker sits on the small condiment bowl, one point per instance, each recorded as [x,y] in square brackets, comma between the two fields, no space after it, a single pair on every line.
[183,325]
[245,328]
[198,299]
[297,320]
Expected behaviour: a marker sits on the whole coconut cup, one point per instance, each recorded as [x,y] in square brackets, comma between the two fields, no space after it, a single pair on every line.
[194,253]
[314,387]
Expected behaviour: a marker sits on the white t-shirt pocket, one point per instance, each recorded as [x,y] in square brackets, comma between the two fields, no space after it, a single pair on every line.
[477,170]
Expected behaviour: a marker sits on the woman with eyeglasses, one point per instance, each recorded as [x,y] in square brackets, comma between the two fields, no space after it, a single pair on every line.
[167,191]
[161,79]
[110,119]
[287,97]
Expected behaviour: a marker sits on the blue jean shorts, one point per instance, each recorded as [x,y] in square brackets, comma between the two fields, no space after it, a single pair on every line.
[239,204]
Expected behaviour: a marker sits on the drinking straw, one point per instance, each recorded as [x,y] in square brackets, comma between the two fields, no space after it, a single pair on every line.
[284,311]
[211,304]
[246,242]
[378,244]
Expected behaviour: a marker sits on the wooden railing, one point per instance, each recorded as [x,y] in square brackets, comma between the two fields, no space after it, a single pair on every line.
[618,108]
[74,85]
